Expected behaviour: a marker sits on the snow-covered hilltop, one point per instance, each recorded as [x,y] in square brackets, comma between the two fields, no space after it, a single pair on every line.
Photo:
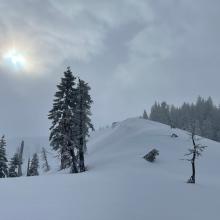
[119,183]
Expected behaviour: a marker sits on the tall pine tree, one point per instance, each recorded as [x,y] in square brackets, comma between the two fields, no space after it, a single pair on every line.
[20,157]
[45,165]
[28,167]
[145,116]
[13,166]
[82,119]
[3,158]
[62,114]
[33,170]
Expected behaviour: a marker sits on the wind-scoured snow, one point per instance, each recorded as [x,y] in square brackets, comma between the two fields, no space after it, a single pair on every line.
[119,183]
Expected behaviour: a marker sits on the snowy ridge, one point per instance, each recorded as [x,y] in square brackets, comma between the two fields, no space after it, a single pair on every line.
[133,138]
[120,184]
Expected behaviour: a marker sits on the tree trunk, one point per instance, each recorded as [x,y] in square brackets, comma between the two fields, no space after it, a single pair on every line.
[81,142]
[81,156]
[73,166]
[65,159]
[62,164]
[28,167]
[193,177]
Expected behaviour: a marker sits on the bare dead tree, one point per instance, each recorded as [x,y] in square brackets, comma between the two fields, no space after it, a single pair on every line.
[195,152]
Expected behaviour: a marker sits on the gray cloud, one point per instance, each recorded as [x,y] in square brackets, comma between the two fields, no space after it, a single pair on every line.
[131,52]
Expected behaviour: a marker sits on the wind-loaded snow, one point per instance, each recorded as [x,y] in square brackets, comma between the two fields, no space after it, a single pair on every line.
[119,183]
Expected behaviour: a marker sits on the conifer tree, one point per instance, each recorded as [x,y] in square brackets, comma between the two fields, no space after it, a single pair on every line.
[203,112]
[62,137]
[82,119]
[33,170]
[45,165]
[20,158]
[13,166]
[3,158]
[28,167]
[145,116]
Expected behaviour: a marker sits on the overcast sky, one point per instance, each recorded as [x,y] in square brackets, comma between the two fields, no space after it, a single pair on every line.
[132,52]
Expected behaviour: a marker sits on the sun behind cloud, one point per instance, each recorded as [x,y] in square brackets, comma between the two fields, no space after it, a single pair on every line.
[15,58]
[22,59]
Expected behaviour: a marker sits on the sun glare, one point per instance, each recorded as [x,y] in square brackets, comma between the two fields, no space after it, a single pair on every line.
[15,58]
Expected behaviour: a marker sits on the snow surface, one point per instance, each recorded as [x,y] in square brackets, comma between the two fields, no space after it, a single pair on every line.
[120,184]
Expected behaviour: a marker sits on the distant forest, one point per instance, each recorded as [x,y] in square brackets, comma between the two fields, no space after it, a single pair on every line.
[204,114]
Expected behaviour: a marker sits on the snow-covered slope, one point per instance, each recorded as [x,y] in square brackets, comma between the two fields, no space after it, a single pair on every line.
[120,184]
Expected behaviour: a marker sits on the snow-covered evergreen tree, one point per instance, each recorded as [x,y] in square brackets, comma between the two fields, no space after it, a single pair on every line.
[33,170]
[203,112]
[28,167]
[82,119]
[20,158]
[13,166]
[145,116]
[160,113]
[45,165]
[3,158]
[62,136]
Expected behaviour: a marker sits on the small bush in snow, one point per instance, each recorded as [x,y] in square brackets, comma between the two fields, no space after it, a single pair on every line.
[151,156]
[174,135]
[114,124]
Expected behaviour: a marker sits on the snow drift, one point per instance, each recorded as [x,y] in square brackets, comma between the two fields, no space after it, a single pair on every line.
[119,183]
